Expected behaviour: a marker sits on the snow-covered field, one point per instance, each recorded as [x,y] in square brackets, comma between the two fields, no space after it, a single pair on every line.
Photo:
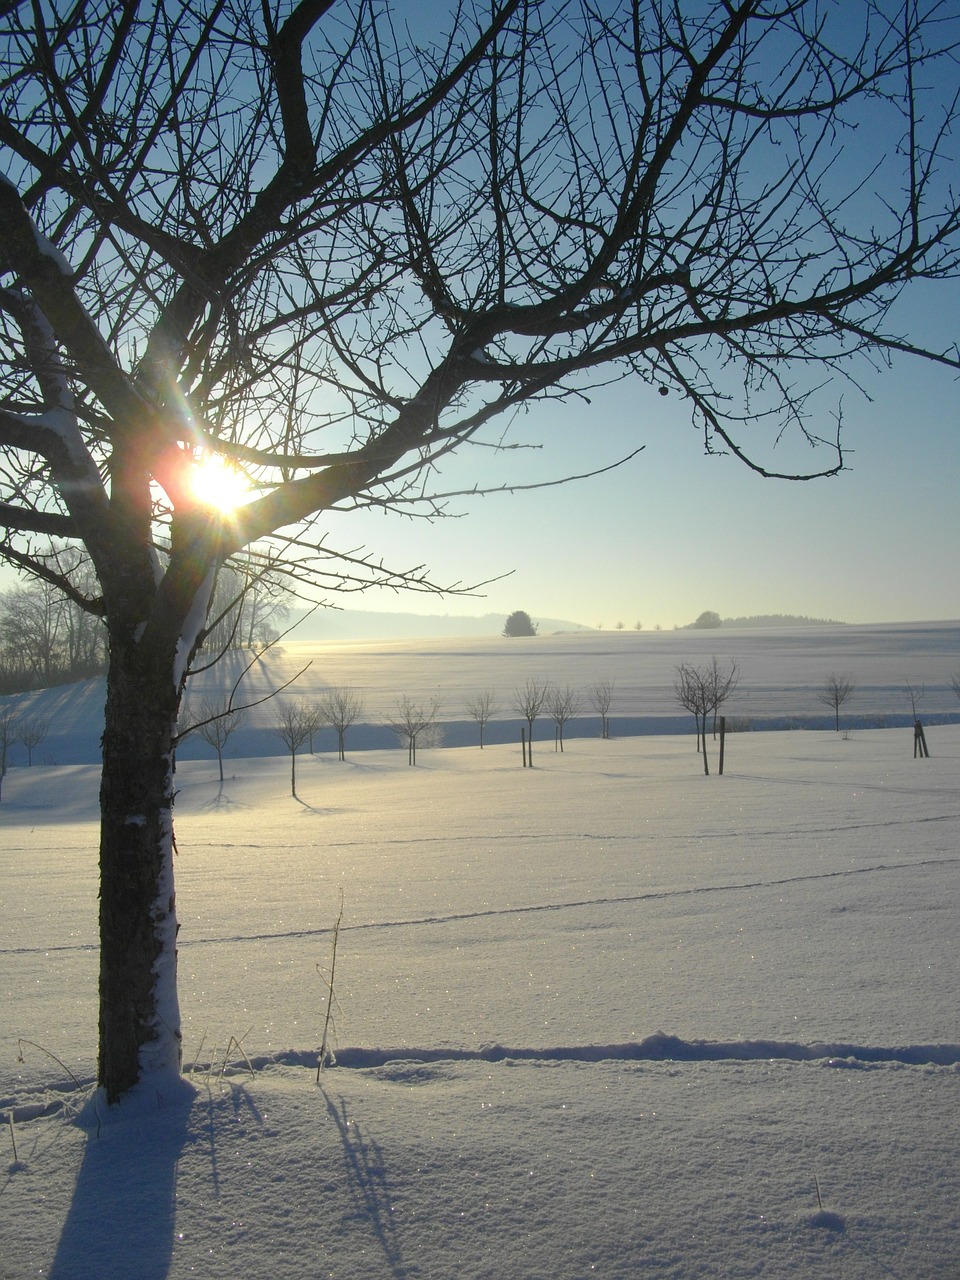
[602,1017]
[781,671]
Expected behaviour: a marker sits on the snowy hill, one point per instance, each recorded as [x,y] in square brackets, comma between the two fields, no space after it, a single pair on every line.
[327,625]
[781,672]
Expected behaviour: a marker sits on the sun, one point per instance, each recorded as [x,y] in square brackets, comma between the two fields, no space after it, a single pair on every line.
[216,482]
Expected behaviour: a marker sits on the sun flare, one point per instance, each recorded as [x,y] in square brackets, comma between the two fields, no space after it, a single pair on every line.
[218,483]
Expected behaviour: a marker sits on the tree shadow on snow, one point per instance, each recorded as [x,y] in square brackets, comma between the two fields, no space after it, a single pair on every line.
[122,1215]
[364,1160]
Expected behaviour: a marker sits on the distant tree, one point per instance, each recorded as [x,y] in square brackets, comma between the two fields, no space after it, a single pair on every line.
[294,722]
[413,722]
[955,683]
[836,691]
[528,702]
[216,723]
[703,691]
[519,624]
[482,707]
[693,692]
[915,693]
[601,695]
[46,638]
[9,722]
[720,685]
[30,733]
[638,626]
[315,711]
[266,602]
[563,705]
[619,626]
[341,708]
[707,621]
[248,603]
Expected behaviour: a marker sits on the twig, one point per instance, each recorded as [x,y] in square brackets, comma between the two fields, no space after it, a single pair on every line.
[33,1044]
[325,1052]
[196,1056]
[239,1043]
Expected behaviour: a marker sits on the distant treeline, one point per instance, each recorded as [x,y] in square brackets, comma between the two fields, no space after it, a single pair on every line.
[781,620]
[47,638]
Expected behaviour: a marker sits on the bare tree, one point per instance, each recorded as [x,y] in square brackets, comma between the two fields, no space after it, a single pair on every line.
[528,702]
[837,689]
[694,692]
[45,639]
[330,252]
[601,696]
[916,693]
[266,601]
[216,722]
[30,618]
[482,707]
[413,721]
[315,712]
[31,732]
[9,723]
[341,708]
[294,722]
[563,704]
[955,683]
[720,686]
[249,597]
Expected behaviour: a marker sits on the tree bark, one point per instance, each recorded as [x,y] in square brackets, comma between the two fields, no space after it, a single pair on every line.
[139,1011]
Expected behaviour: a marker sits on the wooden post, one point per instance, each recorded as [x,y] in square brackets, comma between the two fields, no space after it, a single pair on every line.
[723,735]
[919,741]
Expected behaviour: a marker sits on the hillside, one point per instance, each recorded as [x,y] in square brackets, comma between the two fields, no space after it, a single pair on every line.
[327,625]
[781,671]
[781,620]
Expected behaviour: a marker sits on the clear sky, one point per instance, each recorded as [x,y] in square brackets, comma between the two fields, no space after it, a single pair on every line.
[673,532]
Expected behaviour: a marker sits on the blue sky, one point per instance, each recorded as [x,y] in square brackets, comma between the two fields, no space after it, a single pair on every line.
[674,532]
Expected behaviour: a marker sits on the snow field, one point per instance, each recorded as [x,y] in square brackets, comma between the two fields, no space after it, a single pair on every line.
[512,942]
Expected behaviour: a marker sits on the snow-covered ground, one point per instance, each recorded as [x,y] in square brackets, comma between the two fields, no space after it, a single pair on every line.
[605,1017]
[781,671]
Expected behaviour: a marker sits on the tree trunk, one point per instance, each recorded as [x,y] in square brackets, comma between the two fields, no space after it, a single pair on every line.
[139,1011]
